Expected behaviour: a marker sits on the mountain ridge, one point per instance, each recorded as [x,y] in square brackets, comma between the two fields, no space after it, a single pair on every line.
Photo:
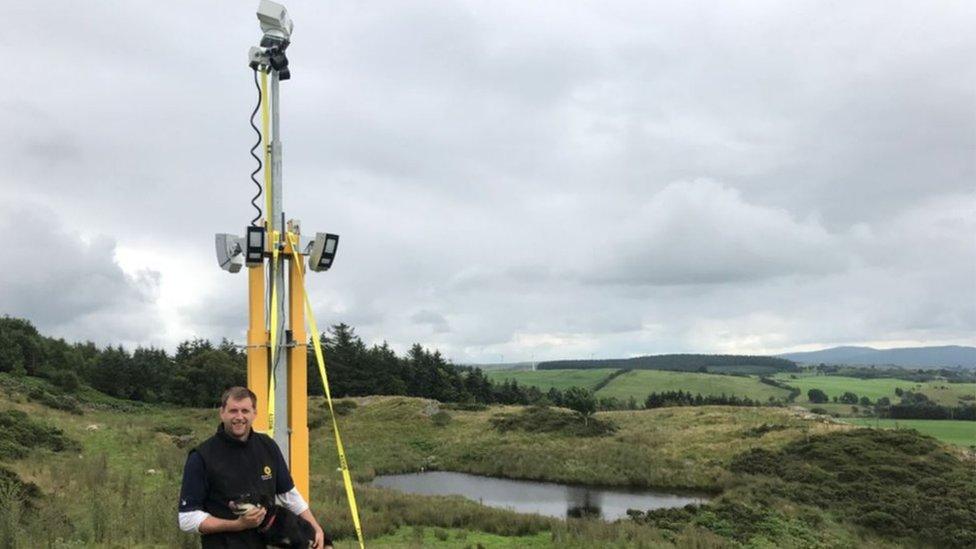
[937,356]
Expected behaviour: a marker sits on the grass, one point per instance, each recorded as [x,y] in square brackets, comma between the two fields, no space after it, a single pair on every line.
[119,485]
[940,391]
[897,483]
[639,383]
[662,448]
[961,433]
[445,538]
[560,379]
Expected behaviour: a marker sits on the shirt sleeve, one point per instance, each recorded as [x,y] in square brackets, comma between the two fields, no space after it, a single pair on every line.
[283,481]
[190,521]
[194,490]
[293,501]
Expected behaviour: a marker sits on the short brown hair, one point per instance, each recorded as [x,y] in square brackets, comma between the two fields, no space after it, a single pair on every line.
[238,393]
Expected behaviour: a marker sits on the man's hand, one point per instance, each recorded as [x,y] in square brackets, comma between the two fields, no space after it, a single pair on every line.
[319,538]
[252,518]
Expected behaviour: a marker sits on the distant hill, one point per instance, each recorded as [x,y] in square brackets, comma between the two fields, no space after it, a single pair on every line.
[948,356]
[745,364]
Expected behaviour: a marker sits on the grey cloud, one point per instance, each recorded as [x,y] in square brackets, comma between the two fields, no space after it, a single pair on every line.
[552,180]
[702,232]
[435,321]
[72,287]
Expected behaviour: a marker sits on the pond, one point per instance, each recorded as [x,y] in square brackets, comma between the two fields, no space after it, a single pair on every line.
[545,498]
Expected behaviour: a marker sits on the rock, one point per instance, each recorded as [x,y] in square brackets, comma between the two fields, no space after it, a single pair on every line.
[93,427]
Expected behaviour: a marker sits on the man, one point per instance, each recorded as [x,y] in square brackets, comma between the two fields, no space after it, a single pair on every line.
[233,462]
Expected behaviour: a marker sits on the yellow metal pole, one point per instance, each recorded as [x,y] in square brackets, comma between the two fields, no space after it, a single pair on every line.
[257,345]
[297,374]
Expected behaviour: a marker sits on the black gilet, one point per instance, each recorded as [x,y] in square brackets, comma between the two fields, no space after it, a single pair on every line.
[235,468]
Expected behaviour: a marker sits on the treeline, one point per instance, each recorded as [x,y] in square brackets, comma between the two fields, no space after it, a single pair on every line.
[678,363]
[683,398]
[197,373]
[912,405]
[194,376]
[918,406]
[794,391]
[357,370]
[952,375]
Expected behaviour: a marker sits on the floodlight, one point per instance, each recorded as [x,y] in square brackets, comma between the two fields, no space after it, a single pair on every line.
[229,252]
[274,20]
[323,251]
[254,254]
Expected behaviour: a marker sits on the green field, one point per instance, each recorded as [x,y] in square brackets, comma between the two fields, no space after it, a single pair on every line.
[962,433]
[560,379]
[939,391]
[639,383]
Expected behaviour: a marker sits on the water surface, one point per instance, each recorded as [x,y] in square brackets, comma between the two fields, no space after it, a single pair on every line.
[545,498]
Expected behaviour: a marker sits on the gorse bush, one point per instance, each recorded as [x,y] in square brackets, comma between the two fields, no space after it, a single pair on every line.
[542,419]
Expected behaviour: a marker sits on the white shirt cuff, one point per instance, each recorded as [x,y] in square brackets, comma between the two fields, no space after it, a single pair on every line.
[190,521]
[293,501]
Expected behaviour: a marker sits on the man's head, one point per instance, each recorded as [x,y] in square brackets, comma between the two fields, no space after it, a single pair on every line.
[238,407]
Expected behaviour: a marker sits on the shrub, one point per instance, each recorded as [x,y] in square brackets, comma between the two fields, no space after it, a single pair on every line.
[343,407]
[541,419]
[19,434]
[817,396]
[67,380]
[441,419]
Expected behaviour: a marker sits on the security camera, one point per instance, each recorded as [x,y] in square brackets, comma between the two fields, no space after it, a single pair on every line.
[323,251]
[229,253]
[274,20]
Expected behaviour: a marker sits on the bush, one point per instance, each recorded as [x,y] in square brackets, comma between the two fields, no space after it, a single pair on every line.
[57,402]
[343,407]
[441,419]
[19,434]
[817,396]
[67,380]
[541,419]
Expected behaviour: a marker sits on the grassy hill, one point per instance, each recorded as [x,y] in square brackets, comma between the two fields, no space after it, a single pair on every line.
[727,364]
[960,433]
[546,379]
[639,383]
[115,482]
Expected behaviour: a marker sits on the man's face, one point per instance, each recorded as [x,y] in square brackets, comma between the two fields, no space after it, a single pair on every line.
[237,416]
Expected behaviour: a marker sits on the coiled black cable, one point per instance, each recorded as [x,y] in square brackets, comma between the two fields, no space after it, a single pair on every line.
[256,157]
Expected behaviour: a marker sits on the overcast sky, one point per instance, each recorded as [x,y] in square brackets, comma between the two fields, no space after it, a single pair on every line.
[511,180]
